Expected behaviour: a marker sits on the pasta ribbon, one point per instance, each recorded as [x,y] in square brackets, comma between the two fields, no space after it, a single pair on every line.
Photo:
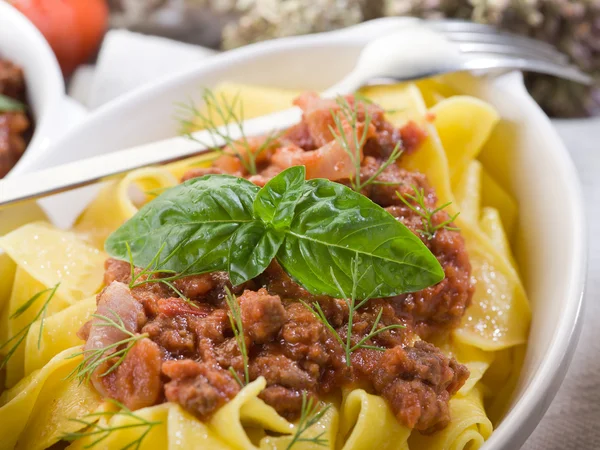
[54,256]
[130,430]
[495,196]
[468,192]
[188,433]
[37,411]
[59,333]
[463,124]
[367,422]
[468,429]
[247,410]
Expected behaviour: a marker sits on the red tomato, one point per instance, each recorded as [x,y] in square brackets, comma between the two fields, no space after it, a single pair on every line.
[73,28]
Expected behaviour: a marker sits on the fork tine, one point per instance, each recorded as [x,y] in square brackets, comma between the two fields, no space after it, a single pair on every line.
[463,31]
[510,50]
[518,42]
[528,65]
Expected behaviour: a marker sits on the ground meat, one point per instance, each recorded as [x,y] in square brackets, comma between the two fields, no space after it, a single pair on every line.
[284,341]
[391,182]
[418,381]
[262,315]
[440,307]
[201,388]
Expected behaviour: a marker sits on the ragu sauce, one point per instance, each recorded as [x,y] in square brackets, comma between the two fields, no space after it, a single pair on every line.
[15,126]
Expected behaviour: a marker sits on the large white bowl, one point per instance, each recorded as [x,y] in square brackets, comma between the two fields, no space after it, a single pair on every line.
[53,111]
[551,224]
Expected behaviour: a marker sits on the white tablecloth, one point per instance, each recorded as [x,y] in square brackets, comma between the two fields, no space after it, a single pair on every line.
[127,60]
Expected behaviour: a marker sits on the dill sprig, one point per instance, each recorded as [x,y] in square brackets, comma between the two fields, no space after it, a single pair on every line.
[231,114]
[237,325]
[349,114]
[20,336]
[310,414]
[353,306]
[428,229]
[93,359]
[101,432]
[153,269]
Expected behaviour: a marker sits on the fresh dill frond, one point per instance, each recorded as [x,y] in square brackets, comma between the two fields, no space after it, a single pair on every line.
[153,274]
[20,335]
[94,359]
[429,229]
[310,414]
[92,429]
[349,115]
[235,319]
[354,304]
[218,109]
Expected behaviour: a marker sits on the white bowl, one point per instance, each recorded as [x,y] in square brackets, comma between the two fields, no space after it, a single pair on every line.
[543,178]
[54,113]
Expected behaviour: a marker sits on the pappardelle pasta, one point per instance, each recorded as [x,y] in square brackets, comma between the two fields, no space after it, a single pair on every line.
[347,283]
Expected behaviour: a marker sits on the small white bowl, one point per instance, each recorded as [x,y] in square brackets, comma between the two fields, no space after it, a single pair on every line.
[53,111]
[551,223]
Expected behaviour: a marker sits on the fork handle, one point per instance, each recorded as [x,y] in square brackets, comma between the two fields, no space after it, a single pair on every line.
[99,168]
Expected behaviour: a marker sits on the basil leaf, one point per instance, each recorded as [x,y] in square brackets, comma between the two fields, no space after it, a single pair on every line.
[276,201]
[189,226]
[332,225]
[8,104]
[252,249]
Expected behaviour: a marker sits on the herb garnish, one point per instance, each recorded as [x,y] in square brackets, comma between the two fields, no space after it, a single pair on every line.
[8,104]
[354,304]
[153,269]
[428,229]
[93,359]
[224,223]
[310,414]
[219,109]
[102,432]
[353,148]
[20,336]
[235,319]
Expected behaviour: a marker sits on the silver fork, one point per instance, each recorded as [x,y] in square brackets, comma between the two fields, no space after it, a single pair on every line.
[486,48]
[413,52]
[427,48]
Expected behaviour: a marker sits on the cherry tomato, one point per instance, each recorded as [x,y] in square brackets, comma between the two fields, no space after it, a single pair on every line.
[73,28]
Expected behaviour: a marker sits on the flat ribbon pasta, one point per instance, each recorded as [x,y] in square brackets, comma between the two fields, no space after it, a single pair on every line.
[188,433]
[38,410]
[51,256]
[95,223]
[468,429]
[127,430]
[59,333]
[244,410]
[495,196]
[463,124]
[367,422]
[45,256]
[467,192]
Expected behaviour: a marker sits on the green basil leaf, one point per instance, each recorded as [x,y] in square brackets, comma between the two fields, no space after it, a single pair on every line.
[8,104]
[276,201]
[332,225]
[189,226]
[252,249]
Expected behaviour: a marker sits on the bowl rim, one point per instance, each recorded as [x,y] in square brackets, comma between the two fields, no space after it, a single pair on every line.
[54,81]
[527,412]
